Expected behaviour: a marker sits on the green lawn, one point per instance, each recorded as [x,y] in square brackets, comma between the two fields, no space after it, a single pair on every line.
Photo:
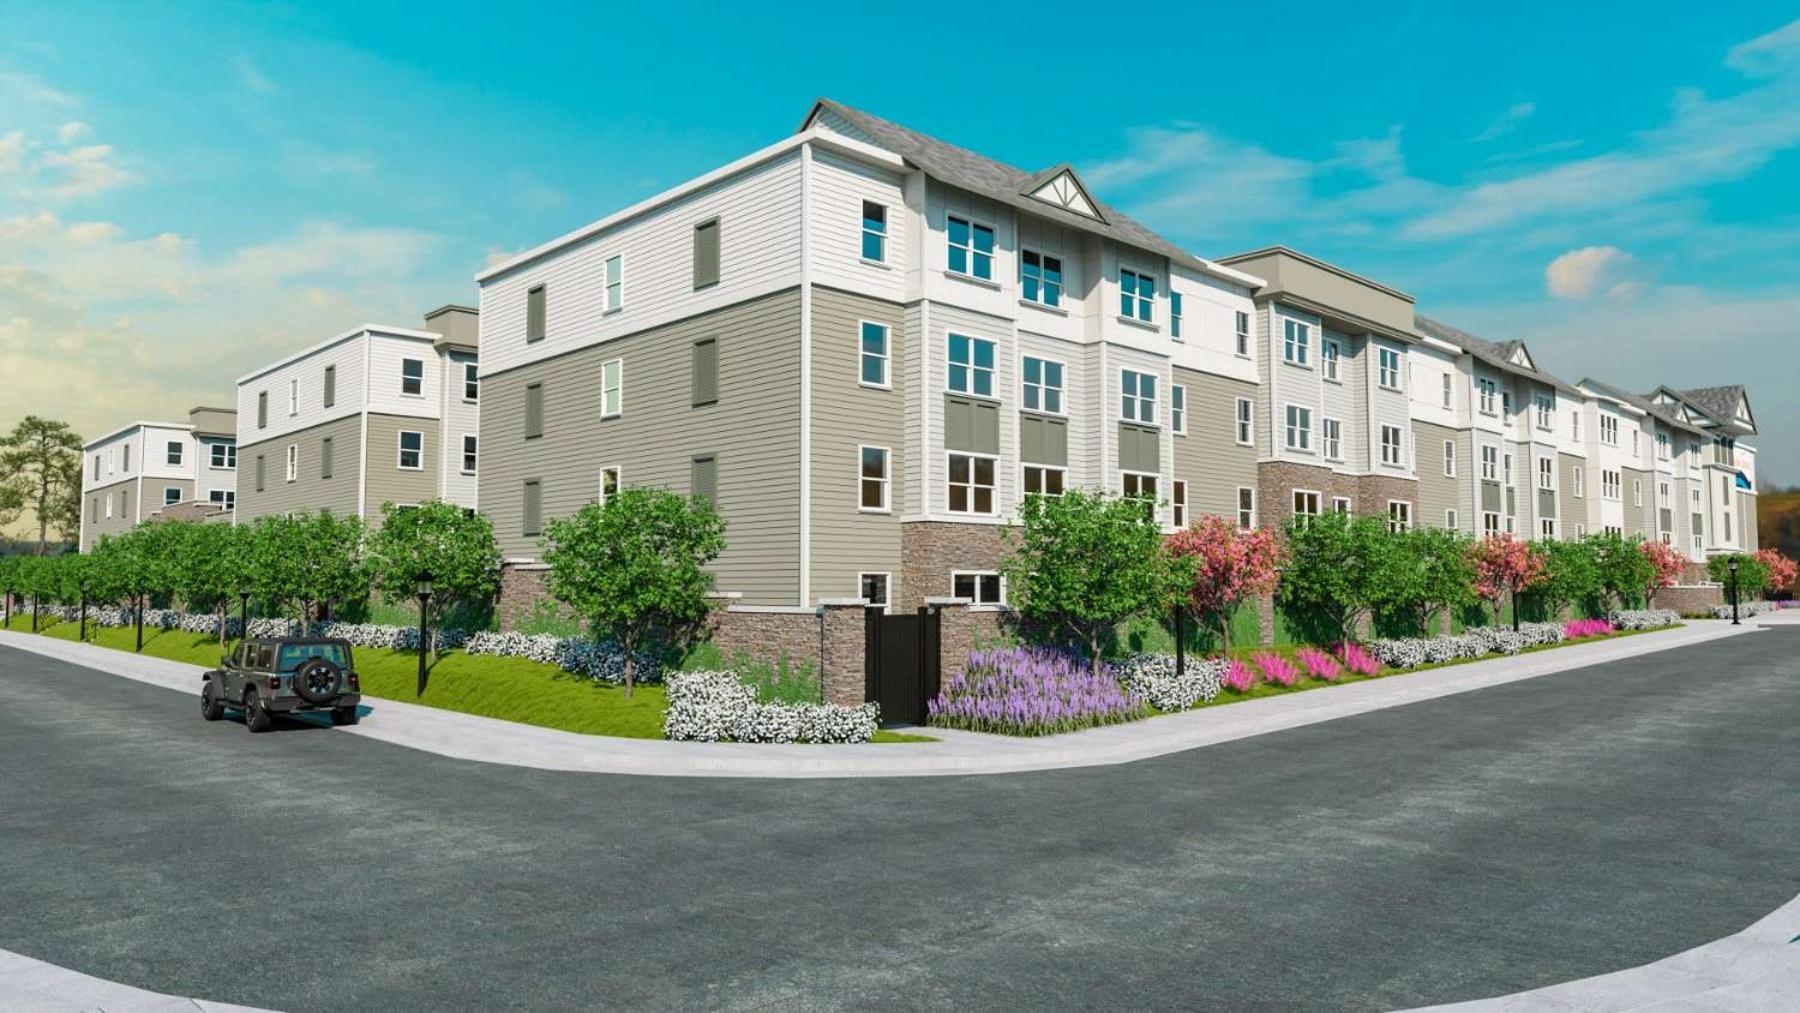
[511,689]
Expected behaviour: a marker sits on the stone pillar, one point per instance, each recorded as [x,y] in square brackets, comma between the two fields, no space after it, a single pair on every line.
[841,650]
[1265,619]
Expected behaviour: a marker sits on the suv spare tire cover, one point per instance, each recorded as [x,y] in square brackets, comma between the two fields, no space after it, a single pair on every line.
[317,680]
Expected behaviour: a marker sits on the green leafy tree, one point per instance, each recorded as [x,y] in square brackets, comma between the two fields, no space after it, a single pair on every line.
[634,567]
[1571,574]
[40,470]
[308,562]
[455,546]
[1338,569]
[1752,573]
[1421,574]
[1622,571]
[1084,562]
[212,568]
[9,580]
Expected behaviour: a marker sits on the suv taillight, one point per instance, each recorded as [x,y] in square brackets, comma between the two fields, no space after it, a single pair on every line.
[350,680]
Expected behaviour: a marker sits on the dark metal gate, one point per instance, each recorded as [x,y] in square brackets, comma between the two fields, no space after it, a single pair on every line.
[900,663]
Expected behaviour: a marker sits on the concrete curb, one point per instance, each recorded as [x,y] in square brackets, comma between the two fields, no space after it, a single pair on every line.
[32,986]
[487,740]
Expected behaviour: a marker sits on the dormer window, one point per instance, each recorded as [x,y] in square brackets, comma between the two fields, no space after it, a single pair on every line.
[1040,278]
[971,248]
[1137,295]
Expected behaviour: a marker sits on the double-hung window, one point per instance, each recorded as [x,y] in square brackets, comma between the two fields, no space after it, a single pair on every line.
[1040,278]
[874,479]
[1546,411]
[1174,315]
[412,377]
[1447,390]
[293,397]
[615,283]
[1399,515]
[1295,339]
[1390,446]
[224,455]
[1178,409]
[172,454]
[612,388]
[1135,485]
[971,484]
[1490,464]
[1487,389]
[981,588]
[1577,479]
[1306,503]
[1387,368]
[1546,473]
[1662,446]
[412,450]
[1330,352]
[1137,396]
[171,495]
[610,478]
[971,366]
[1331,433]
[874,351]
[1299,428]
[1449,458]
[293,461]
[1246,507]
[1043,481]
[1137,295]
[469,453]
[874,232]
[971,248]
[1609,430]
[1243,333]
[1178,514]
[1245,429]
[1043,385]
[471,382]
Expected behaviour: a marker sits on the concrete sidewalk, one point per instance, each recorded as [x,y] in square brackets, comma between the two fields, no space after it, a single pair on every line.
[468,737]
[32,986]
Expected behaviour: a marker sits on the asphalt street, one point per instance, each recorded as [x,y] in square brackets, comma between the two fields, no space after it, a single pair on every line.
[1473,845]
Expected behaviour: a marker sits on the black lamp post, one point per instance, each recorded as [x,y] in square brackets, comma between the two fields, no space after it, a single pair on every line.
[424,632]
[84,599]
[140,618]
[1732,565]
[6,602]
[1180,635]
[34,611]
[243,614]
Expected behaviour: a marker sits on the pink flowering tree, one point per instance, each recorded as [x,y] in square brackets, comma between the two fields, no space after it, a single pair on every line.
[1504,566]
[1783,572]
[1666,566]
[1219,566]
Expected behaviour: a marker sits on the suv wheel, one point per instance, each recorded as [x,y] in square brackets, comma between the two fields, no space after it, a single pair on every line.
[256,717]
[343,715]
[211,707]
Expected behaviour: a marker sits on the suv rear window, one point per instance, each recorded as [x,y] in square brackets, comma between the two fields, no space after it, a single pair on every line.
[294,655]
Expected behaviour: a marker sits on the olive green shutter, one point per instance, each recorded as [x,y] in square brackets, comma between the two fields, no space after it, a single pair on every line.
[1139,449]
[1490,496]
[703,482]
[1044,440]
[534,411]
[259,473]
[971,425]
[706,371]
[262,410]
[532,509]
[706,253]
[325,457]
[534,314]
[330,386]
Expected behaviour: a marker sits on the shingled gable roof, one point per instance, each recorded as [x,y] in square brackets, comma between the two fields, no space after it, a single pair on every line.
[1721,403]
[998,181]
[1500,355]
[1641,403]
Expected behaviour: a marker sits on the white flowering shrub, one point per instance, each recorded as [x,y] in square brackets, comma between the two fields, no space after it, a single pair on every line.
[1541,634]
[1495,640]
[1477,642]
[1154,679]
[719,707]
[1751,608]
[1644,619]
[1404,652]
[577,655]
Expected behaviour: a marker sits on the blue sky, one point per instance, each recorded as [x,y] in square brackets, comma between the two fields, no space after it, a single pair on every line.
[188,190]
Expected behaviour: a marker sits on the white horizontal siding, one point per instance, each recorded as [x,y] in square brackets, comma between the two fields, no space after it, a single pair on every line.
[346,355]
[386,352]
[759,252]
[838,188]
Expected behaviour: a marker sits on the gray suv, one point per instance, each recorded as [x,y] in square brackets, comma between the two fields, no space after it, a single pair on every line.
[267,676]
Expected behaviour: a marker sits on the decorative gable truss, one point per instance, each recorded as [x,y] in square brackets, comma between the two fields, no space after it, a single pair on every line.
[1060,187]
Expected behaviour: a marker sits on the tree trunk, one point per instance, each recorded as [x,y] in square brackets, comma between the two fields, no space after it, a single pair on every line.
[1093,640]
[1225,633]
[224,610]
[630,667]
[43,514]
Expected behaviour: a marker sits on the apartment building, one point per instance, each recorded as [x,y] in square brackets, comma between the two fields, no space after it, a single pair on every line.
[146,468]
[374,415]
[865,346]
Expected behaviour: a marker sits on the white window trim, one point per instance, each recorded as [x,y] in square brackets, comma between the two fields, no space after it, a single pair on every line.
[1178,417]
[1450,518]
[1138,398]
[1449,458]
[403,363]
[1137,298]
[1546,476]
[995,512]
[1241,338]
[1242,489]
[620,409]
[994,371]
[863,231]
[606,286]
[1318,502]
[1178,508]
[1399,361]
[600,481]
[994,256]
[1399,446]
[1062,287]
[167,489]
[1407,504]
[1060,469]
[1287,428]
[293,397]
[887,355]
[887,480]
[1244,422]
[1331,357]
[1343,505]
[887,578]
[1326,440]
[1305,348]
[977,574]
[1155,481]
[1062,392]
[464,456]
[292,461]
[467,366]
[400,449]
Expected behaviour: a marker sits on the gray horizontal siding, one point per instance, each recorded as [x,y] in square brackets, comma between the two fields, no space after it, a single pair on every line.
[1437,493]
[308,491]
[387,483]
[123,496]
[1209,458]
[753,430]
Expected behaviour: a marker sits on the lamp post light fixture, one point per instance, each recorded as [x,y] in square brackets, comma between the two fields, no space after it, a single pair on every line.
[140,619]
[243,613]
[424,595]
[84,601]
[1732,565]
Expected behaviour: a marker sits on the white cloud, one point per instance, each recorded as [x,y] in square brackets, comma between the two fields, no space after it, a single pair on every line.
[252,77]
[1196,180]
[72,130]
[1509,121]
[85,171]
[25,88]
[1592,271]
[12,152]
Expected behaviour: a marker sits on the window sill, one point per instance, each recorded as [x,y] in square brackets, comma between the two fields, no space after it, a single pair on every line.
[1297,365]
[882,264]
[1142,325]
[875,386]
[1044,307]
[969,279]
[872,510]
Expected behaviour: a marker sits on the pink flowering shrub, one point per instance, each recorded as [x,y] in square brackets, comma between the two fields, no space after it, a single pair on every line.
[1358,659]
[1318,664]
[1577,628]
[1238,676]
[1276,669]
